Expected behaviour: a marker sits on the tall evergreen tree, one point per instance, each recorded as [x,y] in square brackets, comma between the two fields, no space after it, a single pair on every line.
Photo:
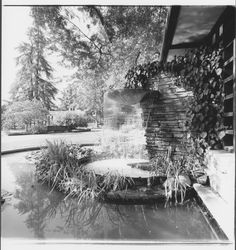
[35,73]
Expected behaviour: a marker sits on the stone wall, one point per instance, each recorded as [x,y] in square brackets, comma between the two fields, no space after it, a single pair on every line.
[164,115]
[221,172]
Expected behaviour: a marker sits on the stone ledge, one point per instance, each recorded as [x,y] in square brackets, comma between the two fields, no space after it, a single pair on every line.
[221,211]
[221,172]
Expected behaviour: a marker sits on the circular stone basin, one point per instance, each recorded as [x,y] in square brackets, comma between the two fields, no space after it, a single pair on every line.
[120,167]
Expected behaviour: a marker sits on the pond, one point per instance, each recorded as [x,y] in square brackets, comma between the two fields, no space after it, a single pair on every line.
[36,212]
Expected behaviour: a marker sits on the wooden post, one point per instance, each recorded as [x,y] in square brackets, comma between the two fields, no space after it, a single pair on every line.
[234,94]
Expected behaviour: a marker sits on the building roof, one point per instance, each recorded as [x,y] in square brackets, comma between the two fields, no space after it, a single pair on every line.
[188,26]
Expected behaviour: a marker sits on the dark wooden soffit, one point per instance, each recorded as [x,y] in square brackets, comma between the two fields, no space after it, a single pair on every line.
[170,31]
[190,26]
[185,45]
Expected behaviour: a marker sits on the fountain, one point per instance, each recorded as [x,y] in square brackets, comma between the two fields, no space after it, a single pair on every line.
[42,212]
[124,136]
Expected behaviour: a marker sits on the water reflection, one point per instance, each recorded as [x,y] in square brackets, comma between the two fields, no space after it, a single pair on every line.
[48,215]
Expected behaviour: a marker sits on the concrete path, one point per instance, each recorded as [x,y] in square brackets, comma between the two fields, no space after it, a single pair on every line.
[28,141]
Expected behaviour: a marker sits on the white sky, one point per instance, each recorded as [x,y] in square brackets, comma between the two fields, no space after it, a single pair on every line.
[15,22]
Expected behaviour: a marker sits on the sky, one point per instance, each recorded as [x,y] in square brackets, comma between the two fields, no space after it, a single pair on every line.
[15,23]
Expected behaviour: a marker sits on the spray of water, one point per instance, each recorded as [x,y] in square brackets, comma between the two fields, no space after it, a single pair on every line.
[123,137]
[123,132]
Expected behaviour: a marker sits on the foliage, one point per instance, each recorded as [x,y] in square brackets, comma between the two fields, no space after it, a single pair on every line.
[37,129]
[69,97]
[139,76]
[72,120]
[34,77]
[140,27]
[112,39]
[3,110]
[193,162]
[176,182]
[62,166]
[199,70]
[85,93]
[25,113]
[177,170]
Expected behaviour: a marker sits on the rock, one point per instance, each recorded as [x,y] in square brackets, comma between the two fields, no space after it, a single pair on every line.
[136,196]
[2,200]
[202,179]
[142,189]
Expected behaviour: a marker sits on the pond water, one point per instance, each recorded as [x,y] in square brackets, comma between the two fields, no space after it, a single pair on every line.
[35,212]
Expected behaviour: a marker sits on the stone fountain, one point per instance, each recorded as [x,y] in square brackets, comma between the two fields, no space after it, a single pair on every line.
[124,132]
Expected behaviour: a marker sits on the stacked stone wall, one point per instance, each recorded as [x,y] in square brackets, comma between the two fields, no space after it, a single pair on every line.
[165,119]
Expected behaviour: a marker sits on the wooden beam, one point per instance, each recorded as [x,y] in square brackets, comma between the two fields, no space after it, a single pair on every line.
[234,94]
[170,31]
[186,45]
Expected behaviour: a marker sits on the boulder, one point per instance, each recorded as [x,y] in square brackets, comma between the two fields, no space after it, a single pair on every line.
[202,179]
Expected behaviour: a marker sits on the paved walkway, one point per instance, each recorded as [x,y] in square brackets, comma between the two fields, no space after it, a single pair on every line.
[28,141]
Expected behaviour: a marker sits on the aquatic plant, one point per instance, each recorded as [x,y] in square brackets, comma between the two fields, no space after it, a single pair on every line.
[177,172]
[63,167]
[177,182]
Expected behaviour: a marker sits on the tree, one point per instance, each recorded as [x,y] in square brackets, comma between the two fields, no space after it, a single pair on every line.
[35,74]
[114,36]
[103,48]
[69,99]
[3,110]
[85,92]
[25,114]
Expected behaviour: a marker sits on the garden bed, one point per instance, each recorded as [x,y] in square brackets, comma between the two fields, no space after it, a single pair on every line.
[89,173]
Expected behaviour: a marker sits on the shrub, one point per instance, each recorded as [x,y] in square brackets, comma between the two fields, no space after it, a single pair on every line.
[72,120]
[24,114]
[37,129]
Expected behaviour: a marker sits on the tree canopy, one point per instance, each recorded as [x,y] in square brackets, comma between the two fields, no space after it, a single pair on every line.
[130,33]
[101,42]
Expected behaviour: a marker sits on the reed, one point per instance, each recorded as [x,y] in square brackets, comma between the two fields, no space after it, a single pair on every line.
[62,166]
